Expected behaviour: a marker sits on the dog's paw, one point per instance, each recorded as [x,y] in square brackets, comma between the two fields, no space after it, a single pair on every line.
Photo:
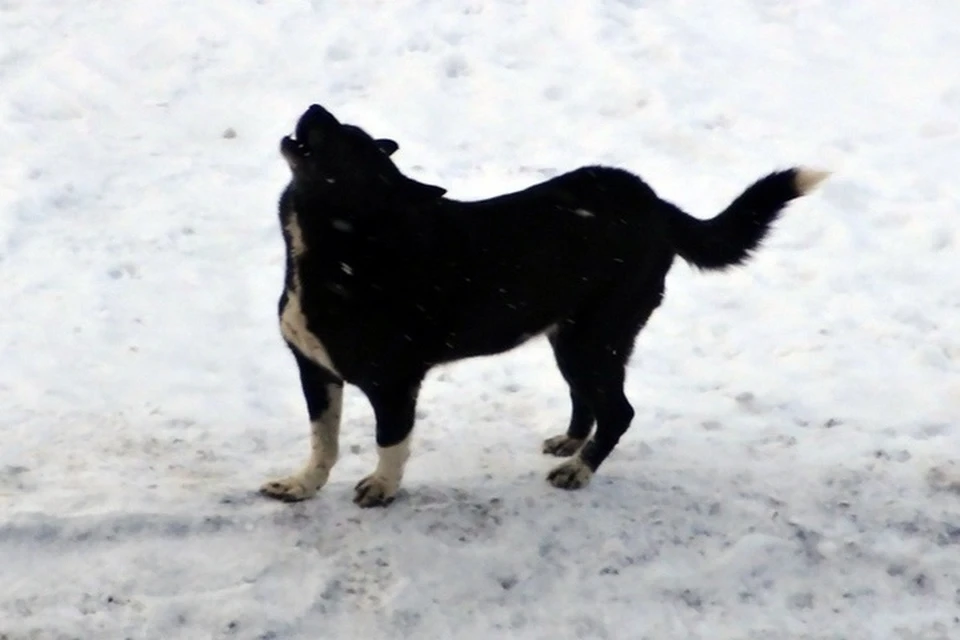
[375,491]
[562,446]
[572,474]
[292,489]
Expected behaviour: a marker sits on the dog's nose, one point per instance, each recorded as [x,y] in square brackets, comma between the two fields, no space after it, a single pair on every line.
[314,119]
[317,114]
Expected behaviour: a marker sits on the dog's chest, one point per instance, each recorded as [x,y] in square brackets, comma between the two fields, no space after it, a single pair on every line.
[293,320]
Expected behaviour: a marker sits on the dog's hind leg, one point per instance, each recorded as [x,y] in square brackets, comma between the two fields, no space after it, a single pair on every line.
[394,406]
[601,383]
[581,416]
[324,396]
[595,351]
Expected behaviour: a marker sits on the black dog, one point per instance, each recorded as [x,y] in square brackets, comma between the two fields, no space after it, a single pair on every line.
[386,278]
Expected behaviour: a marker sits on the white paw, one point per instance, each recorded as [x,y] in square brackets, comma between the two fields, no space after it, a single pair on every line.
[375,491]
[292,489]
[562,446]
[572,474]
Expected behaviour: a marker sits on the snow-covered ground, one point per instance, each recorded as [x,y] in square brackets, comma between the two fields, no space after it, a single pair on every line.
[793,470]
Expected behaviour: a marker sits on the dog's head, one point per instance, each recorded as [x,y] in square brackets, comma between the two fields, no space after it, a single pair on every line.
[343,161]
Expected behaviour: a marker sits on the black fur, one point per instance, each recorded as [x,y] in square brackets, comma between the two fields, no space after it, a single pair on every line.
[396,279]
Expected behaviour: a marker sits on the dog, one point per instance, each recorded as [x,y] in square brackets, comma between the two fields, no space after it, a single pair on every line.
[386,278]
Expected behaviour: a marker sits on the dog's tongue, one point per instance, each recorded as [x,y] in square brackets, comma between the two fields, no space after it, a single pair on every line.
[314,119]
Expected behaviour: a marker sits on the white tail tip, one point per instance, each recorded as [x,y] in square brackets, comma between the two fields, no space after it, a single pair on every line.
[807,179]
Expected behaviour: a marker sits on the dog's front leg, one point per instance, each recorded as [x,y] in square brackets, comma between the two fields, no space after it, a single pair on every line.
[324,396]
[394,406]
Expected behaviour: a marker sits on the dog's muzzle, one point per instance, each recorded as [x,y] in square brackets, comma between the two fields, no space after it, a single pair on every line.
[293,148]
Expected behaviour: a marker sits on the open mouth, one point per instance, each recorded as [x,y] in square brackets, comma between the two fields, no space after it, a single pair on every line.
[292,147]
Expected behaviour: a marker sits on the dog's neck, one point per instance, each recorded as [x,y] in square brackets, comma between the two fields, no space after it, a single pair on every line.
[309,221]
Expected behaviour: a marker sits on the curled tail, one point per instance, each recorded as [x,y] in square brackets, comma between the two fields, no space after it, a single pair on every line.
[732,236]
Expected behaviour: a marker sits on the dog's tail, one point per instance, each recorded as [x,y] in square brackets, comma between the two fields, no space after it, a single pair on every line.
[731,237]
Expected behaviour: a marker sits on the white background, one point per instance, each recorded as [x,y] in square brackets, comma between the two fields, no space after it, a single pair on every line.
[792,468]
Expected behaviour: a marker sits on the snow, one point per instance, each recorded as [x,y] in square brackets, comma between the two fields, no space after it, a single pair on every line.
[792,470]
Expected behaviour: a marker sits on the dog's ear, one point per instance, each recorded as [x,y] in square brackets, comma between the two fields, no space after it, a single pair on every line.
[412,192]
[387,145]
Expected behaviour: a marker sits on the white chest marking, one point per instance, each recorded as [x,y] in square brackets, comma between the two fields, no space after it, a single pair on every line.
[297,246]
[293,322]
[293,326]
